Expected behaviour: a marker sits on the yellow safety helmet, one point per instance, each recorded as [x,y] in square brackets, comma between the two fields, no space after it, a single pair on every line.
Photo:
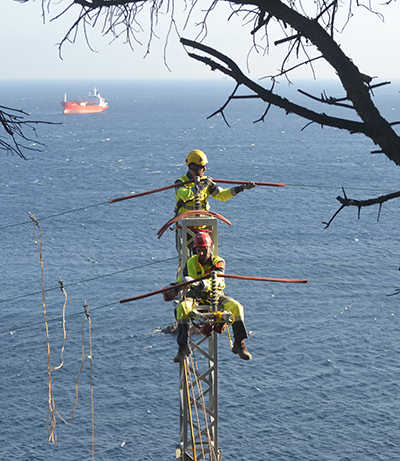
[197,156]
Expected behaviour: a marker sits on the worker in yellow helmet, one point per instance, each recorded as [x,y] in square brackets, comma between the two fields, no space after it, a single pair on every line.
[195,195]
[202,263]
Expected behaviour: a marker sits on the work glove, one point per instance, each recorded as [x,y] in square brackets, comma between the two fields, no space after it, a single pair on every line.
[197,284]
[241,188]
[207,182]
[170,295]
[200,185]
[205,285]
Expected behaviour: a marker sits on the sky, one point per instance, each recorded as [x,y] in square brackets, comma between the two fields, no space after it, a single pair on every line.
[29,49]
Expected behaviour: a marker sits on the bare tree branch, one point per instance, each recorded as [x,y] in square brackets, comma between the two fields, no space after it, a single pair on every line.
[14,125]
[376,127]
[327,100]
[232,70]
[362,203]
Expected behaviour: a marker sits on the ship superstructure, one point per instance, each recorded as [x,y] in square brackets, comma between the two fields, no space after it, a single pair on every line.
[94,103]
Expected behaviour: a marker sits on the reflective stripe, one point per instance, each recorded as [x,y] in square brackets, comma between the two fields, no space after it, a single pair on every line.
[185,199]
[183,310]
[233,306]
[194,269]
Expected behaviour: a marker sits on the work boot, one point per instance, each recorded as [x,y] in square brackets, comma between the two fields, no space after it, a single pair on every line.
[206,330]
[220,327]
[240,334]
[184,351]
[240,348]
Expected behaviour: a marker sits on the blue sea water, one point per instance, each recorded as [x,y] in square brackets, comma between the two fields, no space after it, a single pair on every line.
[324,380]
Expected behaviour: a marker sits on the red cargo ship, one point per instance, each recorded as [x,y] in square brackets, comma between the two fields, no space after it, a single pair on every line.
[95,103]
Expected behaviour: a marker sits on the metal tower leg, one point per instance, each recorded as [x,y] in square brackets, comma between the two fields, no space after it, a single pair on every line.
[201,425]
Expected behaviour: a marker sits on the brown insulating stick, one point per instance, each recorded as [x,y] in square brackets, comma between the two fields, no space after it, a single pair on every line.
[227,181]
[233,276]
[140,194]
[171,287]
[261,279]
[232,181]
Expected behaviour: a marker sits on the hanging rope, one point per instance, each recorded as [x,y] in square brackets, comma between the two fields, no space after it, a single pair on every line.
[51,412]
[196,372]
[195,404]
[86,307]
[229,336]
[187,379]
[64,329]
[52,435]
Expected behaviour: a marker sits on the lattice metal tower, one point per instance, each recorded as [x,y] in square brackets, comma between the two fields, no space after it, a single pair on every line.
[198,374]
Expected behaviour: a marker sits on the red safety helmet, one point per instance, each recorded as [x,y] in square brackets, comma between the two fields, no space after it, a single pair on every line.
[202,239]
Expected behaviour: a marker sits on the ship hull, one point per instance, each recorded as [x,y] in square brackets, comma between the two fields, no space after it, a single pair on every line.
[82,108]
[94,103]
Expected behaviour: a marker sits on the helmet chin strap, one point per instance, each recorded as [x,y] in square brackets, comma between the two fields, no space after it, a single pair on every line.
[198,167]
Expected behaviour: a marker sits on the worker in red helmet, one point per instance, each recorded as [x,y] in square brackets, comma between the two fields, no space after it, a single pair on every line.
[203,262]
[202,186]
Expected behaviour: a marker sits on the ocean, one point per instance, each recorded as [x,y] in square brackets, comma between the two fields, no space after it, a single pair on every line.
[324,380]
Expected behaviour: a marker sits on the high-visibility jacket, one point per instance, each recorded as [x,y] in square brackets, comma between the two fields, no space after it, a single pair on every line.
[185,198]
[193,268]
